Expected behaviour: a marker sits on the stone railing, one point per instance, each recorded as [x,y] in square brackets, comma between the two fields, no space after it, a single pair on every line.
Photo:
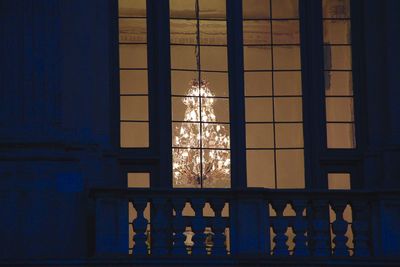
[213,222]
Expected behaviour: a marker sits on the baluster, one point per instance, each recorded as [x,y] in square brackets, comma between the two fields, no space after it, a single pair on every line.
[218,228]
[140,226]
[339,228]
[198,227]
[361,228]
[320,238]
[161,229]
[300,229]
[280,226]
[179,227]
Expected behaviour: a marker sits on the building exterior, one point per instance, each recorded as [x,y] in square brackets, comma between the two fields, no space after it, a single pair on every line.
[177,132]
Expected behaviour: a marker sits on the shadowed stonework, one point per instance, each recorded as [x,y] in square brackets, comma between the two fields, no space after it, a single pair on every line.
[199,132]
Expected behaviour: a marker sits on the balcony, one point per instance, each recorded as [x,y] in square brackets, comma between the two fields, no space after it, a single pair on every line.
[255,226]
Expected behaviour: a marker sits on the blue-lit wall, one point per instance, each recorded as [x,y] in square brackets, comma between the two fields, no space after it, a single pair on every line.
[57,121]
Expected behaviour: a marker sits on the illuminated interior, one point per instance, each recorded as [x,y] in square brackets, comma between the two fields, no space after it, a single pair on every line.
[273,94]
[134,114]
[200,110]
[339,96]
[272,87]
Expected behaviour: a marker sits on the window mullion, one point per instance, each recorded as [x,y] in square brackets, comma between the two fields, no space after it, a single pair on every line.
[160,83]
[236,94]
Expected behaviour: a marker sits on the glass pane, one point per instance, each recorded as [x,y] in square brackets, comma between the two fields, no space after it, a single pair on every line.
[213,32]
[337,32]
[339,109]
[216,168]
[256,32]
[129,8]
[260,168]
[259,135]
[256,9]
[337,57]
[290,168]
[258,109]
[336,8]
[257,57]
[138,180]
[182,31]
[182,8]
[215,109]
[133,81]
[287,83]
[338,83]
[133,56]
[186,134]
[258,83]
[213,58]
[287,58]
[134,134]
[132,30]
[217,82]
[180,110]
[212,9]
[183,57]
[285,9]
[341,135]
[285,32]
[288,109]
[186,168]
[339,181]
[211,133]
[180,81]
[134,108]
[289,135]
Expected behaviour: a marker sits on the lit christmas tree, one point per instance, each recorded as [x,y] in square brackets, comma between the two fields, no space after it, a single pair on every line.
[199,134]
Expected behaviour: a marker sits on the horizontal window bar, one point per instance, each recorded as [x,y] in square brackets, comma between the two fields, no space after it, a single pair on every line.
[204,122]
[206,45]
[272,19]
[196,70]
[272,96]
[197,96]
[200,19]
[133,68]
[276,148]
[202,148]
[131,17]
[272,121]
[133,94]
[131,43]
[194,45]
[272,44]
[348,122]
[133,121]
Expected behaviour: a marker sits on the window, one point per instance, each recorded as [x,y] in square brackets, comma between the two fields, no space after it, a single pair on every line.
[273,94]
[200,98]
[340,127]
[339,181]
[134,114]
[189,46]
[138,180]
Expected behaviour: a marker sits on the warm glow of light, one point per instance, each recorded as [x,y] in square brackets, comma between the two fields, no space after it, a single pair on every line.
[198,131]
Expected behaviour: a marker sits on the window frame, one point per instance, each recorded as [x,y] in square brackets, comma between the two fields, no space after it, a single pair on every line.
[157,158]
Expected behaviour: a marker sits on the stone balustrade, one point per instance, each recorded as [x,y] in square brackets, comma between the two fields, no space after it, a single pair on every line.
[218,222]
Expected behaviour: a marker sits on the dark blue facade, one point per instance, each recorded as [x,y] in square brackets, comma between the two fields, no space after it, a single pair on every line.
[59,138]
